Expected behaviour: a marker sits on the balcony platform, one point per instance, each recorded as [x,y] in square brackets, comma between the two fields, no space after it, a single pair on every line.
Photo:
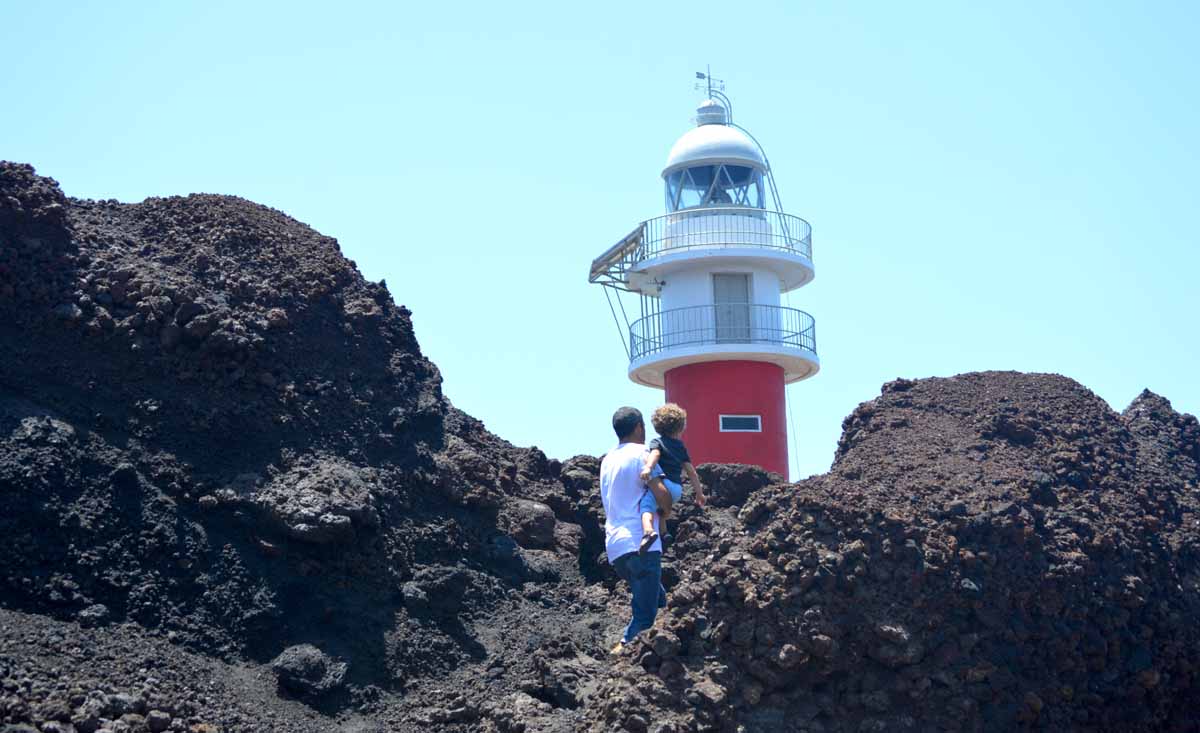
[726,235]
[746,332]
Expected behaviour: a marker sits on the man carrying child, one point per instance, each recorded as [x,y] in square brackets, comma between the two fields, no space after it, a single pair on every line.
[623,490]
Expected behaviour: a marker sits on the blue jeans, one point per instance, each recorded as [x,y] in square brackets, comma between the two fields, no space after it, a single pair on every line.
[649,504]
[644,575]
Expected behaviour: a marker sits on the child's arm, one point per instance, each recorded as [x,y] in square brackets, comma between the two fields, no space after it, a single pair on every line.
[651,461]
[694,480]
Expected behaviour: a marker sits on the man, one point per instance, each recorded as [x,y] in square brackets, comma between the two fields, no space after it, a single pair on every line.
[621,489]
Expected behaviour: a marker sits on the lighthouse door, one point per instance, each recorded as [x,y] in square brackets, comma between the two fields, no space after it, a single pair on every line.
[731,298]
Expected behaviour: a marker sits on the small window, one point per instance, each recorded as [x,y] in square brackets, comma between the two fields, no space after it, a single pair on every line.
[741,423]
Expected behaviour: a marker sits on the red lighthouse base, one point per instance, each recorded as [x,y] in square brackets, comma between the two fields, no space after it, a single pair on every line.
[709,390]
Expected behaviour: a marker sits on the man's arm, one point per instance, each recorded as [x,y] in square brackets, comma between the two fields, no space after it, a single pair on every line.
[651,461]
[694,480]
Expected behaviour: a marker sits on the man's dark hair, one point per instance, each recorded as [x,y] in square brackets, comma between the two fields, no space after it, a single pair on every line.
[625,421]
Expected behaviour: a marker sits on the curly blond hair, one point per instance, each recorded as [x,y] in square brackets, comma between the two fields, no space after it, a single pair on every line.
[669,420]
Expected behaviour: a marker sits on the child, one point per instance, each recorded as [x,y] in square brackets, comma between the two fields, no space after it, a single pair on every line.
[670,456]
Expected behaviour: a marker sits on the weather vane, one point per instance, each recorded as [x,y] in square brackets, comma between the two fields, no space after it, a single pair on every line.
[711,83]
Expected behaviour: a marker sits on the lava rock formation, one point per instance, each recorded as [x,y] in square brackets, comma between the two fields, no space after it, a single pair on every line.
[233,498]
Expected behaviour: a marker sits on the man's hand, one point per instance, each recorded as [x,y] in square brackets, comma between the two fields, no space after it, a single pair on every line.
[701,499]
[644,475]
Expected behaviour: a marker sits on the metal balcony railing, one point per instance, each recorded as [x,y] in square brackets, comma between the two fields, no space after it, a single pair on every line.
[721,227]
[728,323]
[724,227]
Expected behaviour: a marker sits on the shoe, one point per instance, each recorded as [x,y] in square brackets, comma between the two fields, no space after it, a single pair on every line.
[647,541]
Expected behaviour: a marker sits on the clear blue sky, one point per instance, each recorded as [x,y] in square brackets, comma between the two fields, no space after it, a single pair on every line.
[991,186]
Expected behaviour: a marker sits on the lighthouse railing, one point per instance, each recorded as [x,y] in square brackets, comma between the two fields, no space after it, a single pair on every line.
[724,227]
[725,323]
[708,228]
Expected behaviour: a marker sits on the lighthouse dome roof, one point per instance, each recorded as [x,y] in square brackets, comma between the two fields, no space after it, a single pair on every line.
[713,142]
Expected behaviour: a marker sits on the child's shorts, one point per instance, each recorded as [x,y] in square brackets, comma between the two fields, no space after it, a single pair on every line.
[648,502]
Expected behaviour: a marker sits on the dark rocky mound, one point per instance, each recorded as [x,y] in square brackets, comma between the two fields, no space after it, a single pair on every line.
[233,498]
[990,551]
[215,434]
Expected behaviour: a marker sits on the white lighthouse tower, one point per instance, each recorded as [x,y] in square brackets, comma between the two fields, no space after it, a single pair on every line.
[709,277]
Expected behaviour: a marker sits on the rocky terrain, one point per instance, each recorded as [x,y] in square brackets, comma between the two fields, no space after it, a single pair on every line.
[988,552]
[233,498]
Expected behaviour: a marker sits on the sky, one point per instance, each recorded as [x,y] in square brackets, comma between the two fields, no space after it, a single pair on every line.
[991,185]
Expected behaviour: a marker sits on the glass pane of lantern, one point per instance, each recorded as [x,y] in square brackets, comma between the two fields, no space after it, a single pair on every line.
[722,193]
[672,190]
[696,182]
[740,175]
[746,185]
[702,175]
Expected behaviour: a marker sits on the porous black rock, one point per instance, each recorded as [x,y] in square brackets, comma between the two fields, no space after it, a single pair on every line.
[288,471]
[307,671]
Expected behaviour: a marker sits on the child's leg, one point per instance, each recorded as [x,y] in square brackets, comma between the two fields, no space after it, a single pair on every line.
[662,496]
[647,506]
[674,492]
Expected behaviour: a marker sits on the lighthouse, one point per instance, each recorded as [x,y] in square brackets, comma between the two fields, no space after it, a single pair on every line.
[698,294]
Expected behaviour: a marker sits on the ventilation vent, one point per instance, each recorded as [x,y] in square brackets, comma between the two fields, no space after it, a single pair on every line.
[741,423]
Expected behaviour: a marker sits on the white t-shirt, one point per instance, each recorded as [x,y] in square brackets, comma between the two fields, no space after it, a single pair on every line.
[621,490]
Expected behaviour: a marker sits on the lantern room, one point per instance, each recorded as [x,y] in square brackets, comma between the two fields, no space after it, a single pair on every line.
[714,165]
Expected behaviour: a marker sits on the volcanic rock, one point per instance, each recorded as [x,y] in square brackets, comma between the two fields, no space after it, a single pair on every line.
[929,576]
[988,551]
[306,670]
[321,502]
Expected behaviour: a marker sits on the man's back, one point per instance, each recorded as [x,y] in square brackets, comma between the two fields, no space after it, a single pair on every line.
[620,489]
